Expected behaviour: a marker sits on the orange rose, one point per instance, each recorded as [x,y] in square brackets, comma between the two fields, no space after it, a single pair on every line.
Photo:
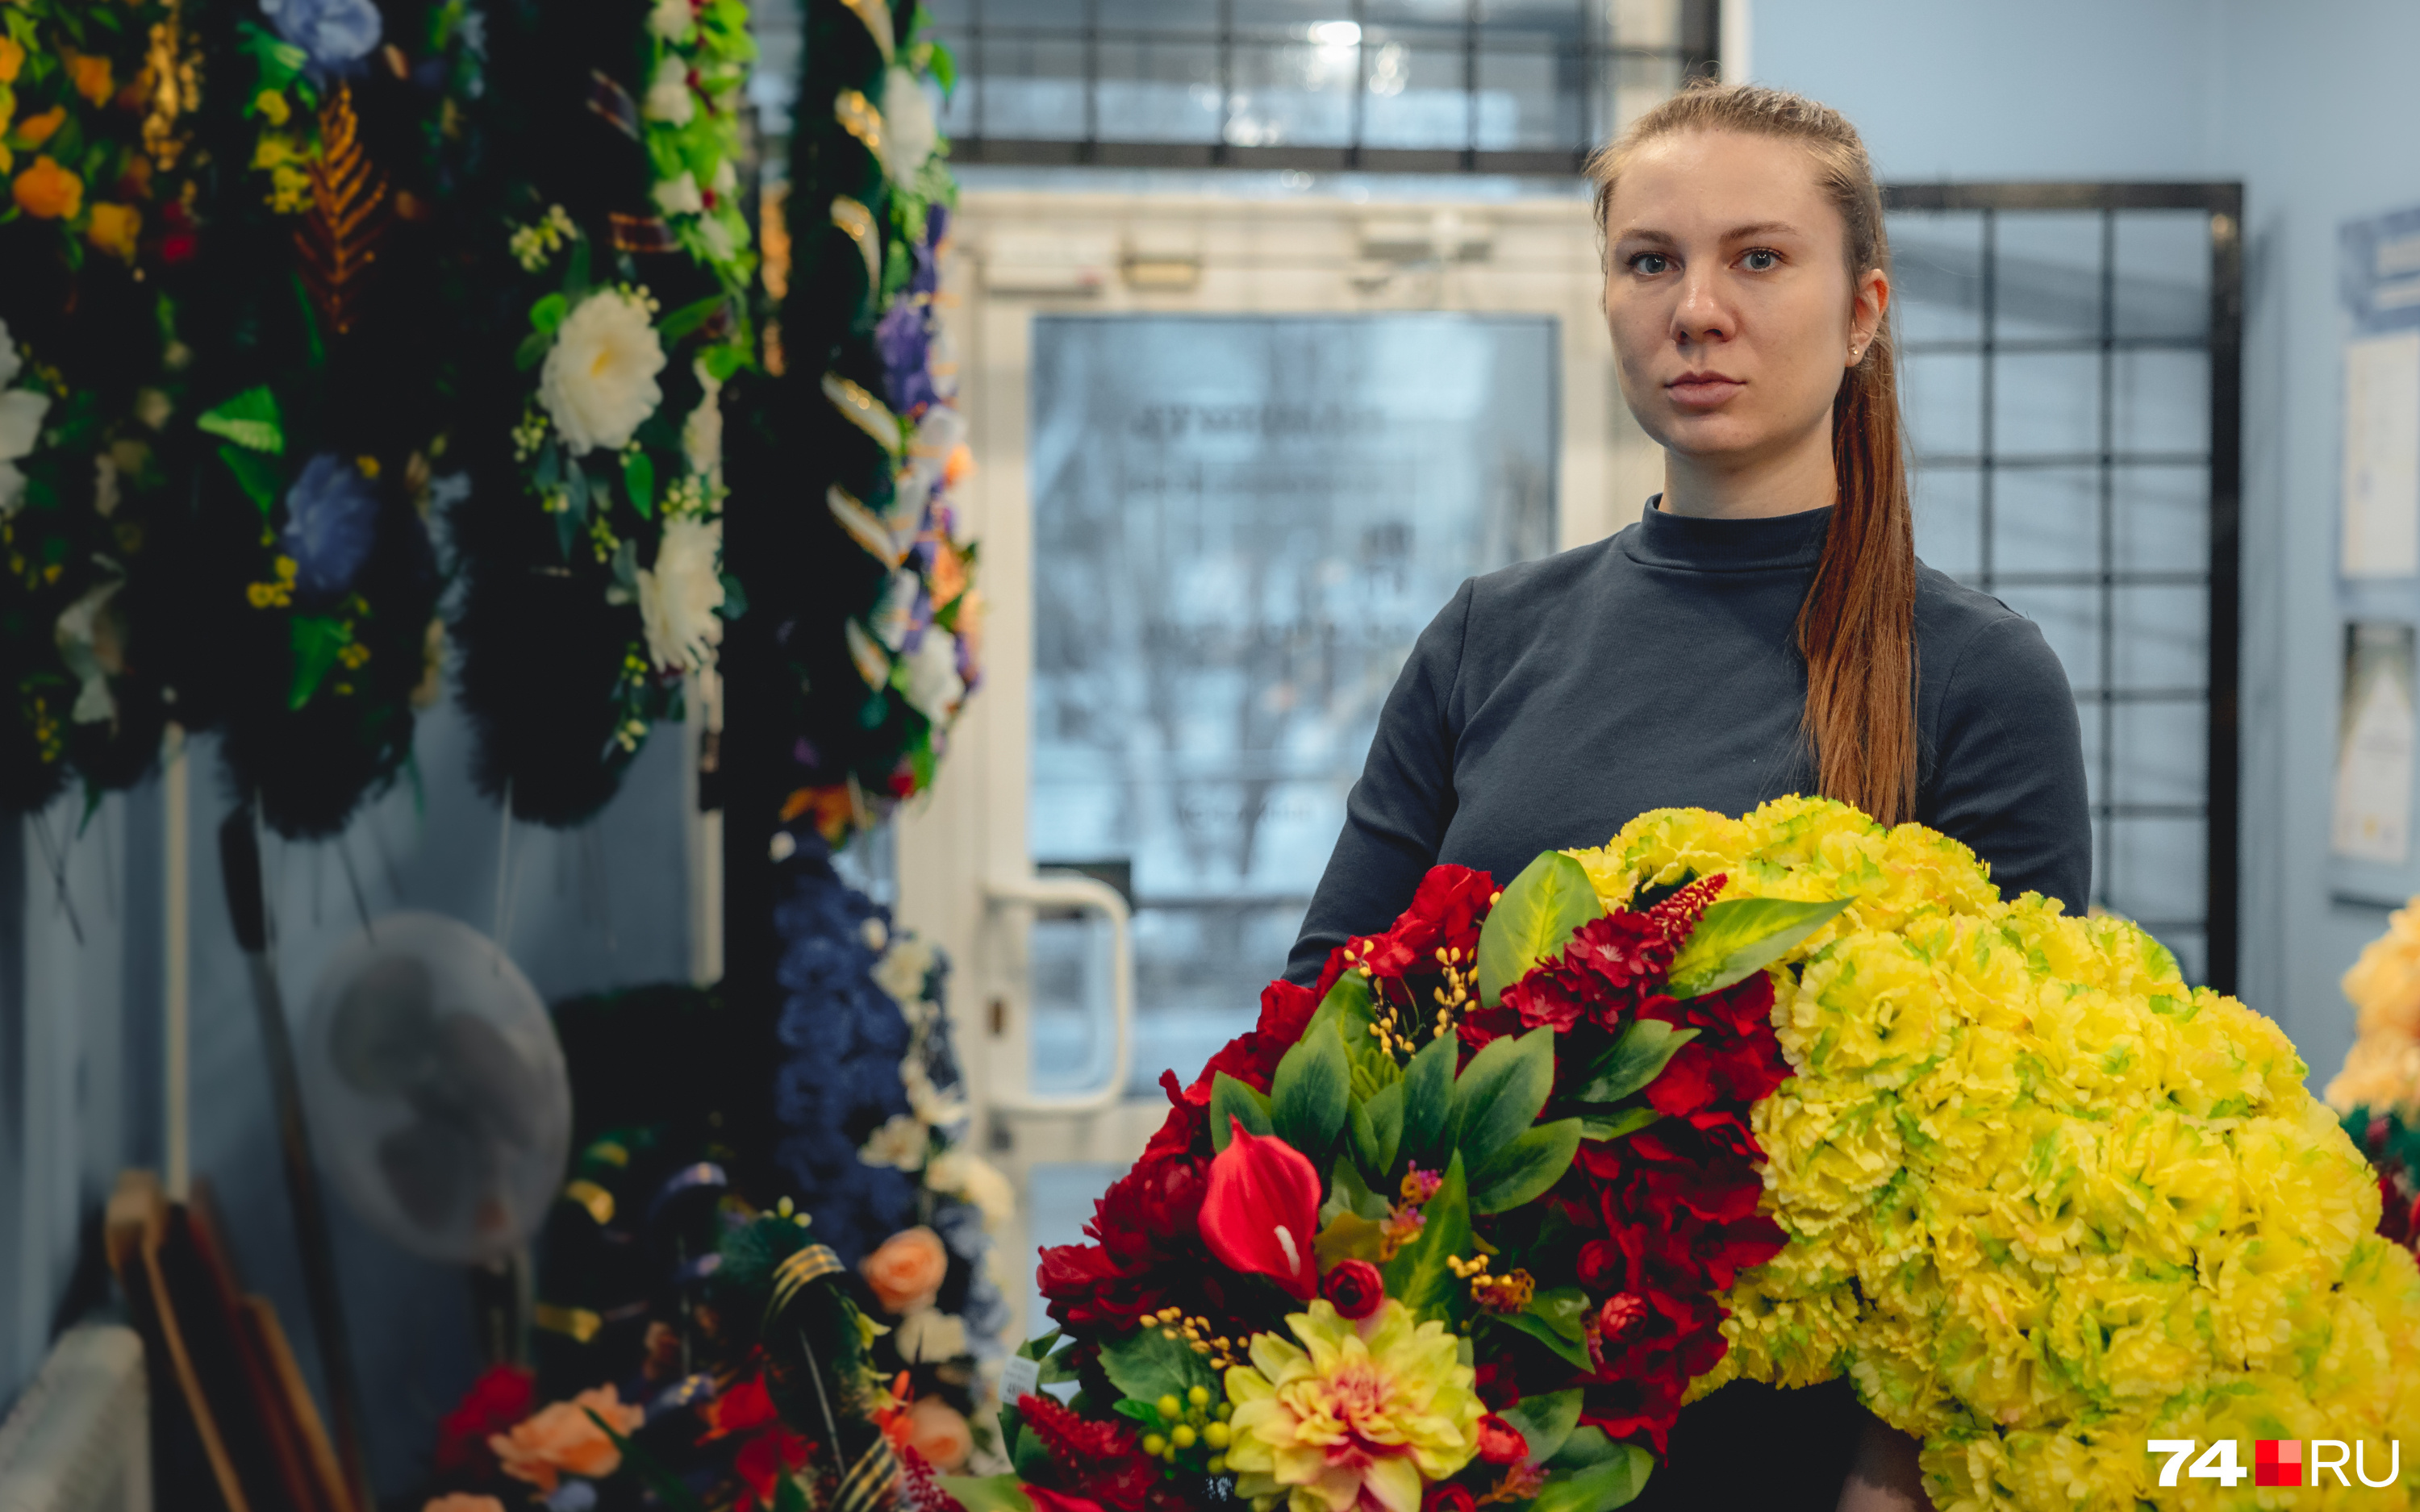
[36,130]
[50,191]
[91,77]
[12,59]
[937,1431]
[461,1502]
[906,1270]
[564,1439]
[114,228]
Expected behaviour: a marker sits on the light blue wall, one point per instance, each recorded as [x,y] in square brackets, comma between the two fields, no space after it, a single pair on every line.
[79,1036]
[2301,102]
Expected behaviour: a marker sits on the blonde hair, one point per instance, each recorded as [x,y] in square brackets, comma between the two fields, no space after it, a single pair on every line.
[1856,627]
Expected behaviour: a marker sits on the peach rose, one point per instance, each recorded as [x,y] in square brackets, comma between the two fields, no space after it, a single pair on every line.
[463,1502]
[36,130]
[939,1431]
[114,229]
[564,1439]
[12,59]
[91,77]
[906,1272]
[49,191]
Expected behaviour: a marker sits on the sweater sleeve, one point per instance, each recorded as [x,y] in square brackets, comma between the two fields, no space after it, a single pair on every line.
[1395,819]
[2008,769]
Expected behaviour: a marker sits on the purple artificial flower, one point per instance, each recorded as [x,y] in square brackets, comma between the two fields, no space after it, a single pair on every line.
[904,339]
[331,524]
[338,34]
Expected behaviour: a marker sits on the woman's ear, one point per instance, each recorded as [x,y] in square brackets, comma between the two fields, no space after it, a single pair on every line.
[1870,303]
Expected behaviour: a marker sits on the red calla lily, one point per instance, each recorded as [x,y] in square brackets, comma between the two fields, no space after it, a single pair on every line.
[1261,1210]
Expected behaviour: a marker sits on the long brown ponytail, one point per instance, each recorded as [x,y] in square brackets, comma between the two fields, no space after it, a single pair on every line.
[1858,625]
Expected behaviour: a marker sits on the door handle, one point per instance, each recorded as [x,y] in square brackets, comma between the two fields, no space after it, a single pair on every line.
[1071,889]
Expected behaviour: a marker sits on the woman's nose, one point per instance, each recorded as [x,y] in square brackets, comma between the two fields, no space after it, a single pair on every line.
[1700,314]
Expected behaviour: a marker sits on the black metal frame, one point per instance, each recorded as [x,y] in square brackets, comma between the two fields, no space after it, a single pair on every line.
[2223,202]
[1699,54]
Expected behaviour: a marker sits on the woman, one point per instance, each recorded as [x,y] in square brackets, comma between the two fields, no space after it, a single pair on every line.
[1766,628]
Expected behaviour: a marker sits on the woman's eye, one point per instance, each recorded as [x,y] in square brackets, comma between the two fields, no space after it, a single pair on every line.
[1650,262]
[1761,259]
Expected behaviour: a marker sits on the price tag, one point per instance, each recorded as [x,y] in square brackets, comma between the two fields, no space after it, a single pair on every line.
[1020,1378]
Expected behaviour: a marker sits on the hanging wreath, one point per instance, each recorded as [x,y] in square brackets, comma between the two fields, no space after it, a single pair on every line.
[593,545]
[311,588]
[873,605]
[95,227]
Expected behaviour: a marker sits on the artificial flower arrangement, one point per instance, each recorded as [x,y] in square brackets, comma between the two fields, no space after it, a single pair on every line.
[1779,1098]
[595,543]
[2378,1091]
[879,621]
[312,589]
[97,224]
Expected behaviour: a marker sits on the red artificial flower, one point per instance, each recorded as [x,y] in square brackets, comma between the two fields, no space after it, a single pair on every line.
[2394,1220]
[1445,1496]
[1047,1500]
[1622,1312]
[747,1406]
[1101,1459]
[766,1459]
[1500,1443]
[1355,1287]
[1446,913]
[1261,1210]
[1144,1226]
[501,1396]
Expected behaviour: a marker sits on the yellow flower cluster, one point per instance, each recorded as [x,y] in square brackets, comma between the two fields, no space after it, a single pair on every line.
[2382,1072]
[2045,1201]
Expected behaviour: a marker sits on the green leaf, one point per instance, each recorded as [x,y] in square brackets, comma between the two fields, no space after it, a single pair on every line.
[1232,1102]
[574,271]
[317,638]
[249,420]
[1348,1006]
[1564,1309]
[1627,1122]
[1545,1421]
[1637,1058]
[639,479]
[1039,1347]
[1533,920]
[1501,1090]
[1348,1193]
[1148,1365]
[1378,1128]
[1348,1236]
[1743,935]
[1524,1169]
[1311,1092]
[668,1487]
[1589,1445]
[989,1493]
[689,316]
[735,598]
[256,474]
[1614,1481]
[1030,1455]
[532,349]
[1575,1355]
[1418,1276]
[1430,1123]
[546,315]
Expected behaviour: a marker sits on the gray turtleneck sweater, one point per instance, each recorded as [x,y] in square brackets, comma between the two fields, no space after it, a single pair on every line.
[1554,700]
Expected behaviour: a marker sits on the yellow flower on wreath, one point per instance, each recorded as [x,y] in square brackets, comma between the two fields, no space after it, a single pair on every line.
[1347,1420]
[92,77]
[114,229]
[49,191]
[12,59]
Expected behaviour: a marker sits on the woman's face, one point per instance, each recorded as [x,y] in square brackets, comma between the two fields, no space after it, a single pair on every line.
[1728,296]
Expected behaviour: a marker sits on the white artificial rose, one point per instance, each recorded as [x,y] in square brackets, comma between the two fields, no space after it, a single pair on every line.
[702,432]
[21,428]
[678,598]
[671,20]
[680,197]
[726,178]
[10,363]
[715,232]
[599,385]
[909,134]
[894,613]
[88,642]
[931,1336]
[898,1145]
[971,1178]
[669,99]
[934,686]
[903,970]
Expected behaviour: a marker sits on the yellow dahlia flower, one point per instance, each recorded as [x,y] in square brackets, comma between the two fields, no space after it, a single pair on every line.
[2045,1200]
[1375,1410]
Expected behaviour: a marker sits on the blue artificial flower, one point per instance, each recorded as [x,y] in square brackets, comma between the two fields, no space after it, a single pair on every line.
[338,34]
[331,523]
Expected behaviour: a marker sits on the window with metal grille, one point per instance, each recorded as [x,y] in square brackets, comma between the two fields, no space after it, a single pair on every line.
[1507,86]
[2071,367]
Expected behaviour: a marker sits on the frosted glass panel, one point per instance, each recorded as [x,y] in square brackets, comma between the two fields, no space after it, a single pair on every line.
[1241,524]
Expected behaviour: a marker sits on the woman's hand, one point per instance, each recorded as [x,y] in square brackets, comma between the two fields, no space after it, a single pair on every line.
[1884,1477]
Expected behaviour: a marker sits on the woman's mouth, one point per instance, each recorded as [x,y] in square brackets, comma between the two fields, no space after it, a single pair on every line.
[1703,391]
